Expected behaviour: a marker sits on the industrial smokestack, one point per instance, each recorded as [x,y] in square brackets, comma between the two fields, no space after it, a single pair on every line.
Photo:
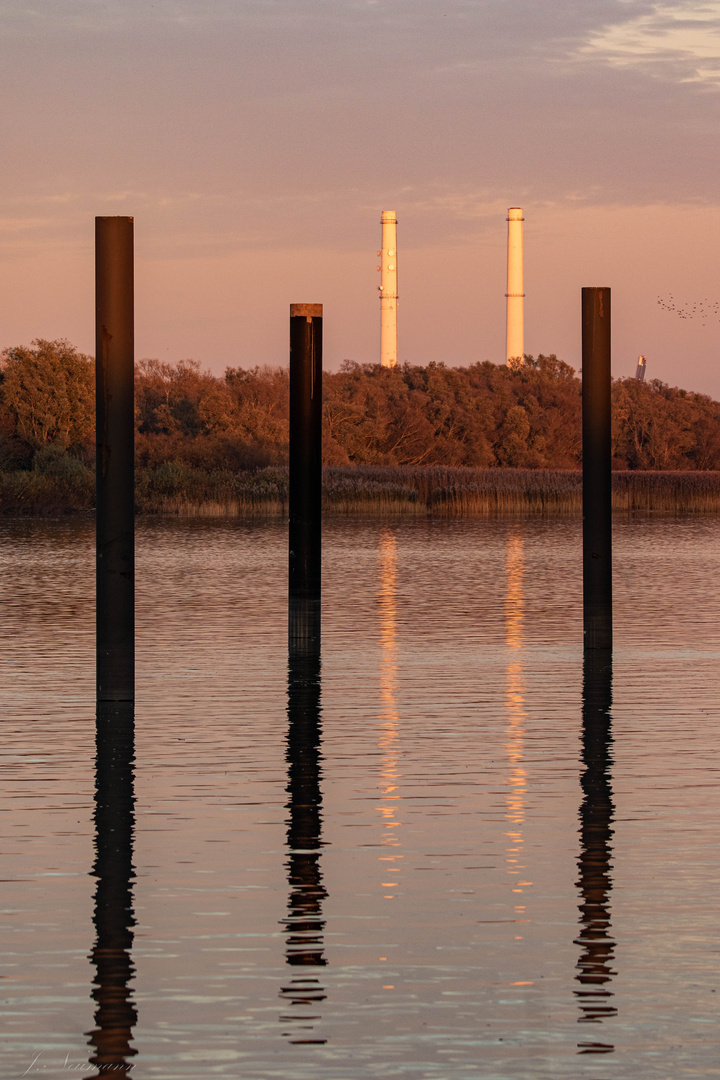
[640,370]
[515,334]
[388,290]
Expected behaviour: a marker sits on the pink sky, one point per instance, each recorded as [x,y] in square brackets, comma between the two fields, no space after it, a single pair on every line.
[256,144]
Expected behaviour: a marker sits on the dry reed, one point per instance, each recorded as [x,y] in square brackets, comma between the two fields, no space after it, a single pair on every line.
[378,491]
[390,491]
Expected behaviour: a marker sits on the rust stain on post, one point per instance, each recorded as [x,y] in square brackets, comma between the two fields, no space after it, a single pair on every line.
[104,355]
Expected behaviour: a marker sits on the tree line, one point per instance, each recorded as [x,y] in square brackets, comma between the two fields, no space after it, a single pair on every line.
[483,416]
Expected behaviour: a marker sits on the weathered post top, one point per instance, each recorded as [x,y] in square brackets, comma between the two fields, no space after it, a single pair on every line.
[310,311]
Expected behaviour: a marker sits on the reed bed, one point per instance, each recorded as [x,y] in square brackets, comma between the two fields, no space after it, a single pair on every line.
[363,490]
[467,492]
[451,492]
[30,493]
[391,491]
[667,492]
[178,489]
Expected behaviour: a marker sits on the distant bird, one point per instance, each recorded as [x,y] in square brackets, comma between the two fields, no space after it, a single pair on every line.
[703,309]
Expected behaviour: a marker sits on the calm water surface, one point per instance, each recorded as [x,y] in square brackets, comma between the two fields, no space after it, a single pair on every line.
[435,857]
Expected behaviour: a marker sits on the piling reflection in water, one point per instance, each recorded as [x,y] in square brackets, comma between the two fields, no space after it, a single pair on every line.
[596,815]
[114,918]
[304,922]
[389,717]
[516,720]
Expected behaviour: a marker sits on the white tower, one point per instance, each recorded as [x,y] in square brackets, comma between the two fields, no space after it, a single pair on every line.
[515,335]
[388,290]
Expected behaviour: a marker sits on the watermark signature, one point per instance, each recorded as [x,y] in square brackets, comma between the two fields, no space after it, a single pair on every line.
[41,1063]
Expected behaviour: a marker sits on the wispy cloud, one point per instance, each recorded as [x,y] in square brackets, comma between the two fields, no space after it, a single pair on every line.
[677,41]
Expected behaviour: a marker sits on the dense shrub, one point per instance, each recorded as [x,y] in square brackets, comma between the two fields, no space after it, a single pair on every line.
[48,395]
[482,416]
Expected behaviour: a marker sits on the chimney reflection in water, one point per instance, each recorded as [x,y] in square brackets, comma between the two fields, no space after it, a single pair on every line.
[516,721]
[596,816]
[304,922]
[389,741]
[114,917]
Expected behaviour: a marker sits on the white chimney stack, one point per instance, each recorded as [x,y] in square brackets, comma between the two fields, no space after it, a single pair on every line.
[515,334]
[388,290]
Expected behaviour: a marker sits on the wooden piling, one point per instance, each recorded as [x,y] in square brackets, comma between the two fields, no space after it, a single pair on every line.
[115,427]
[596,449]
[305,496]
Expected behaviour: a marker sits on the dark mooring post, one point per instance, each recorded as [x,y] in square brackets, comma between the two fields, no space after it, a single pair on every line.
[305,477]
[115,425]
[596,452]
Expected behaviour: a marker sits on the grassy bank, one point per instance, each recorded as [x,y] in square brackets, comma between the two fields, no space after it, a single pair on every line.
[388,491]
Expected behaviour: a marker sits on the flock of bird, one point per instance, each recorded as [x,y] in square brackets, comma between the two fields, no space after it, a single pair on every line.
[701,309]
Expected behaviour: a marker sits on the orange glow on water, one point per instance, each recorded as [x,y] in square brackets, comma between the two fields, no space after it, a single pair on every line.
[517,782]
[389,737]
